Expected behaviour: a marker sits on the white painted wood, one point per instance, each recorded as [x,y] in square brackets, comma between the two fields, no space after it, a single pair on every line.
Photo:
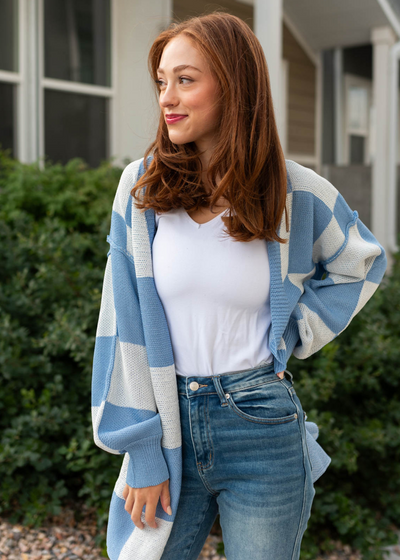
[112,113]
[136,107]
[21,121]
[318,111]
[339,23]
[27,91]
[10,77]
[76,87]
[268,29]
[40,80]
[390,14]
[382,39]
[393,146]
[285,103]
[339,112]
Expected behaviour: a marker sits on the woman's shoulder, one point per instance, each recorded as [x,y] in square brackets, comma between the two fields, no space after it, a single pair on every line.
[305,180]
[126,183]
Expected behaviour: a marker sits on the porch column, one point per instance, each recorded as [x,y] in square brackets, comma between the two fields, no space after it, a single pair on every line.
[382,38]
[268,29]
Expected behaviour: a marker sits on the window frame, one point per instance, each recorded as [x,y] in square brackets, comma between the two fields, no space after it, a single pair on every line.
[350,80]
[30,84]
[108,92]
[15,78]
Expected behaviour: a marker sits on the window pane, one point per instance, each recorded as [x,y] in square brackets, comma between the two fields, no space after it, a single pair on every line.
[8,35]
[7,117]
[358,109]
[75,126]
[77,41]
[357,148]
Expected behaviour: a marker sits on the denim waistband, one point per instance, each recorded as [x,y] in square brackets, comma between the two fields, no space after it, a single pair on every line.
[194,385]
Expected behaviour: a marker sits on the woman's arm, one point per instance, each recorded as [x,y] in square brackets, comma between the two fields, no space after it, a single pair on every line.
[124,412]
[349,266]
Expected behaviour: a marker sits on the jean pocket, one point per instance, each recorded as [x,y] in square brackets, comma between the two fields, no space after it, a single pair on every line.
[266,403]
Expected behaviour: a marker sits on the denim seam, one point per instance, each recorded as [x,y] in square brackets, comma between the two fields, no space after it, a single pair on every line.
[197,462]
[199,527]
[307,449]
[204,481]
[255,420]
[251,386]
[245,370]
[299,529]
[299,533]
[209,439]
[198,395]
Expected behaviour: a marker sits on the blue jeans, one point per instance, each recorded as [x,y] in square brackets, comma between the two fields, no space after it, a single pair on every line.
[245,457]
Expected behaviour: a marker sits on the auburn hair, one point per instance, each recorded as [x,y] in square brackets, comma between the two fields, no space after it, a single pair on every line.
[248,156]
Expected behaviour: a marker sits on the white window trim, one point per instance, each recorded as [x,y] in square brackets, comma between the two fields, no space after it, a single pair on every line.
[350,80]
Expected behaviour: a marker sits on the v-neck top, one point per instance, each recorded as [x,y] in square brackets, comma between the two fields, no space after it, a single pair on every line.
[321,278]
[215,292]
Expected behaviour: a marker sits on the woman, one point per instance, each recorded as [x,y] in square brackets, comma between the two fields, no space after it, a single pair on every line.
[208,290]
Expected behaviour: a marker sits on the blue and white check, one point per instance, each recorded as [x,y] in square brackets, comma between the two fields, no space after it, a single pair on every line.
[320,279]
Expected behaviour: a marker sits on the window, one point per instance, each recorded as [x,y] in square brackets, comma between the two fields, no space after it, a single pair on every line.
[9,76]
[55,79]
[357,124]
[77,79]
[7,112]
[75,125]
[77,41]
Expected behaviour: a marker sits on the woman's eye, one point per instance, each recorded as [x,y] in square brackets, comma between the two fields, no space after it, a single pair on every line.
[160,82]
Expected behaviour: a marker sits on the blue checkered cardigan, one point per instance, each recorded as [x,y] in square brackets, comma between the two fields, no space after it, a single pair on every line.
[320,279]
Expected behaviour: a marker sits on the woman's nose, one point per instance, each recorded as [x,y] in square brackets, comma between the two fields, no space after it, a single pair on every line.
[168,97]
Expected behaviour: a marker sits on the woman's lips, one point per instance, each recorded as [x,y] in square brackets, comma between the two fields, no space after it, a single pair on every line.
[172,120]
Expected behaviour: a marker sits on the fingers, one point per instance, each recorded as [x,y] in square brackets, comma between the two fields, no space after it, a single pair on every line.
[136,498]
[150,514]
[137,512]
[129,500]
[165,498]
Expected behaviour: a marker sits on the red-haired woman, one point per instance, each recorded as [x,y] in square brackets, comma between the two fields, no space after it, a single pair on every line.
[242,287]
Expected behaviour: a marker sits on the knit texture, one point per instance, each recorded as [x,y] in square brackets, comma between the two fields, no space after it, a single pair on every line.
[135,407]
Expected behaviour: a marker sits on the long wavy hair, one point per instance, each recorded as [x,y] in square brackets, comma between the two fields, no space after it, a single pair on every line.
[248,155]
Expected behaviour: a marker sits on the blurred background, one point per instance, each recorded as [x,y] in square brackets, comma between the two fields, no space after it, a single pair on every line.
[74,83]
[76,105]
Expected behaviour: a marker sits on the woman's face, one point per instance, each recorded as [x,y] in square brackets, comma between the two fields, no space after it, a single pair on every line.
[188,91]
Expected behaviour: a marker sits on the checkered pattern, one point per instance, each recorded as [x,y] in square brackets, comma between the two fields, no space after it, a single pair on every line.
[135,407]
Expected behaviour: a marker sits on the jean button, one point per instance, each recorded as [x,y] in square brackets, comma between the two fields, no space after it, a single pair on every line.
[194,385]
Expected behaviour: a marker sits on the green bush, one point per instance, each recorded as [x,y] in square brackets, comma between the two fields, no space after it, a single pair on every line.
[53,227]
[350,388]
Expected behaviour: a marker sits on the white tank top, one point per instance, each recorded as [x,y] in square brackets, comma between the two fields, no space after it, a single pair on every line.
[215,292]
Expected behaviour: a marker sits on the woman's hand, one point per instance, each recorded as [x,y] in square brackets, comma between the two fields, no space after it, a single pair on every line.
[281,374]
[135,498]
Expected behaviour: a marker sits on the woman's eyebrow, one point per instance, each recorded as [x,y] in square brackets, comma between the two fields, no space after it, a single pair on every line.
[179,68]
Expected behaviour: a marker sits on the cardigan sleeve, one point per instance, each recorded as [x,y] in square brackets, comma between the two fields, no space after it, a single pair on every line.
[349,266]
[124,411]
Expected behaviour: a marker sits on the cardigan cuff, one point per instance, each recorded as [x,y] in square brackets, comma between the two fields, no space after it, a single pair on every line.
[147,465]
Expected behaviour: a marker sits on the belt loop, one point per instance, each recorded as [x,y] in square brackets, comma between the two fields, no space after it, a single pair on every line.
[219,389]
[291,376]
